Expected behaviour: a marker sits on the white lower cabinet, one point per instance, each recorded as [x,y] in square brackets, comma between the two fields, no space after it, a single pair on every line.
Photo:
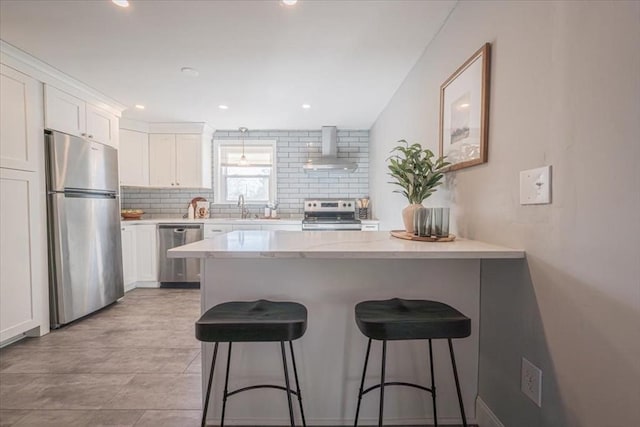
[129,256]
[139,254]
[211,230]
[146,253]
[22,254]
[246,227]
[282,227]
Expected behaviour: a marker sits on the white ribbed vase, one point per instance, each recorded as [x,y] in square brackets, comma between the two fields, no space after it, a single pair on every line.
[407,216]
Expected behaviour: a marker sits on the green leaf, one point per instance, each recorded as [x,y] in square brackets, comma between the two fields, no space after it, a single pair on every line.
[415,170]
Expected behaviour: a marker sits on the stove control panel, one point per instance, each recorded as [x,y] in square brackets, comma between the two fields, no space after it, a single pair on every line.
[330,205]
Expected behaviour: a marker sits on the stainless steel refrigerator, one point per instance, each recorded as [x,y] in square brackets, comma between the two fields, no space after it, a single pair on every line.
[83,211]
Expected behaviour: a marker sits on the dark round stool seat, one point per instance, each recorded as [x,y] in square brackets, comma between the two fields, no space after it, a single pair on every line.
[401,319]
[254,321]
[409,319]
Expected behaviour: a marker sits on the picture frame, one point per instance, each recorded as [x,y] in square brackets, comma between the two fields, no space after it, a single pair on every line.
[464,112]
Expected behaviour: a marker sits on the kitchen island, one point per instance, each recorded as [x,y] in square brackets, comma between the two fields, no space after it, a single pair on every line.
[329,272]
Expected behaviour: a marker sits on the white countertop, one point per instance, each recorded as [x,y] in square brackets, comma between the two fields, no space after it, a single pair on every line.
[213,221]
[335,244]
[282,221]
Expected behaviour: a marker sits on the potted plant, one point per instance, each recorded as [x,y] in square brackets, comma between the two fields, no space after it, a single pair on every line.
[418,174]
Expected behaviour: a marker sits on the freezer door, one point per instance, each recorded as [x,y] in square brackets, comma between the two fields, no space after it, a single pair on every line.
[86,254]
[74,163]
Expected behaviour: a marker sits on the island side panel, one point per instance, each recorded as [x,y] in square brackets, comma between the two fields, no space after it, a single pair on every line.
[330,355]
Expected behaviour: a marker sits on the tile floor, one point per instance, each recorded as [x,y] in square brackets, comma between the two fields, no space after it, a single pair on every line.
[135,363]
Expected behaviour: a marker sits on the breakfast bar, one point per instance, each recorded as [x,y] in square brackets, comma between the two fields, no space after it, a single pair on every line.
[330,272]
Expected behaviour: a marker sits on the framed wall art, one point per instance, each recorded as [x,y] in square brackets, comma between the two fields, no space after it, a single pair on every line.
[464,112]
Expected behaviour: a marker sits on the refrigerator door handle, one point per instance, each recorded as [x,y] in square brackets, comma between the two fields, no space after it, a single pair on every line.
[89,195]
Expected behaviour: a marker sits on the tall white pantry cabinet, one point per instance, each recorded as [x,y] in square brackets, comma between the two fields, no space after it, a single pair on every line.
[23,249]
[35,96]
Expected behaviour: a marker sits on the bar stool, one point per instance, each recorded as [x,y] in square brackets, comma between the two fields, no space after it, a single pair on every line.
[399,319]
[255,321]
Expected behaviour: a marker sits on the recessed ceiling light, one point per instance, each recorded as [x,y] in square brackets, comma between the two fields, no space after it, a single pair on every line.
[140,106]
[223,107]
[289,2]
[191,72]
[306,106]
[121,3]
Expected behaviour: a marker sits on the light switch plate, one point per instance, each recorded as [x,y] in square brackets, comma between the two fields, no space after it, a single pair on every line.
[535,186]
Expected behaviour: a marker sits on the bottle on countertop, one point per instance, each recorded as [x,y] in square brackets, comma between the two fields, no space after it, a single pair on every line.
[191,213]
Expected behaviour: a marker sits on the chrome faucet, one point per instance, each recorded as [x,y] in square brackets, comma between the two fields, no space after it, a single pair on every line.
[244,212]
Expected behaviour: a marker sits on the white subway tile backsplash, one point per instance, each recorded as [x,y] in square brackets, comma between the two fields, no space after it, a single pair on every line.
[294,147]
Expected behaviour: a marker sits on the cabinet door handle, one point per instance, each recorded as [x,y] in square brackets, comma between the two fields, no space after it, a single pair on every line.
[90,136]
[172,184]
[177,183]
[83,134]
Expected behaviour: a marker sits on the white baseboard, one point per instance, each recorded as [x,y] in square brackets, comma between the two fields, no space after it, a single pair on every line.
[485,416]
[146,284]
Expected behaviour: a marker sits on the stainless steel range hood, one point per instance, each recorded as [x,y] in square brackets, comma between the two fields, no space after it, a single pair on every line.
[329,160]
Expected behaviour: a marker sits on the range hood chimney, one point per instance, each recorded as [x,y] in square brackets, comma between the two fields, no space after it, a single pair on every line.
[329,160]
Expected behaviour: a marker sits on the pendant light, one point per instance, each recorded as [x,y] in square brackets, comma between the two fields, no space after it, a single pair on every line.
[243,159]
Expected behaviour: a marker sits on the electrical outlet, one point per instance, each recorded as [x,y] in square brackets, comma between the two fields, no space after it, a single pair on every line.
[535,186]
[531,381]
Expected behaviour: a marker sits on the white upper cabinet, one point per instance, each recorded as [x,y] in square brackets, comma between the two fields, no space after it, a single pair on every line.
[133,156]
[20,119]
[189,160]
[64,112]
[179,161]
[69,114]
[102,126]
[162,160]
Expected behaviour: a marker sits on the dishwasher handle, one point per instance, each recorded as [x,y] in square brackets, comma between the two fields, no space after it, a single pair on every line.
[181,227]
[179,230]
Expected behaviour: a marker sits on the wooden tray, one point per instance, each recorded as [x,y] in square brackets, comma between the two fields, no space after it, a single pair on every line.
[131,215]
[401,234]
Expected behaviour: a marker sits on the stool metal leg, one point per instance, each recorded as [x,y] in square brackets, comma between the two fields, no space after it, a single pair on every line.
[364,372]
[226,386]
[206,399]
[455,375]
[433,386]
[295,373]
[384,362]
[286,381]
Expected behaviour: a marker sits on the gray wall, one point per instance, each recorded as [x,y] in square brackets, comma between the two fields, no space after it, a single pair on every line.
[294,185]
[565,91]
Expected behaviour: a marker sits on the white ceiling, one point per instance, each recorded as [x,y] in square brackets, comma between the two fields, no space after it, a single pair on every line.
[261,58]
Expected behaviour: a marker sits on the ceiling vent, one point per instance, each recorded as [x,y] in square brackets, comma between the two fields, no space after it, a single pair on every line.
[329,160]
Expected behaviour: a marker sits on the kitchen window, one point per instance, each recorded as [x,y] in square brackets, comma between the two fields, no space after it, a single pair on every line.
[256,180]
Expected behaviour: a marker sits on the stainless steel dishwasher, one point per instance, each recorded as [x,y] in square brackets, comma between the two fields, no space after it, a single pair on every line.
[178,270]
